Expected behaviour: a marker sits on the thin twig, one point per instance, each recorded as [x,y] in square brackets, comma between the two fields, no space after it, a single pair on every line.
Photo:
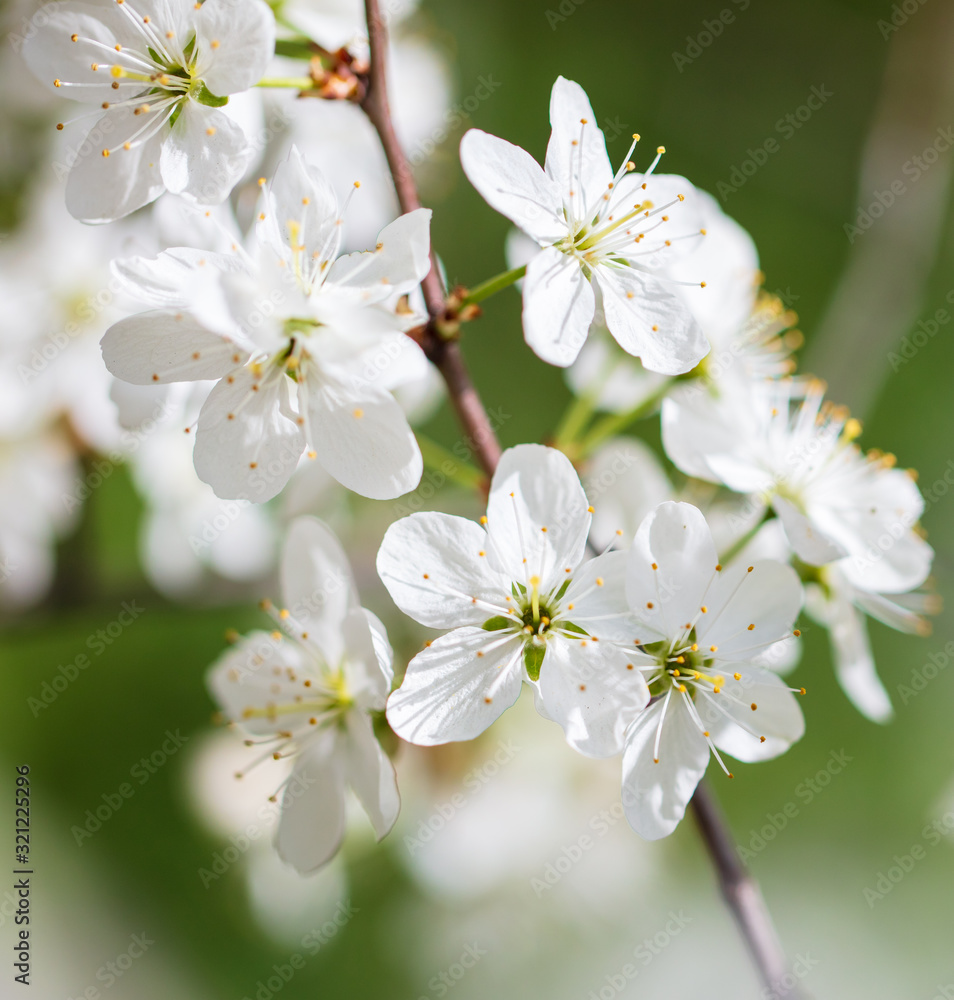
[443,352]
[740,890]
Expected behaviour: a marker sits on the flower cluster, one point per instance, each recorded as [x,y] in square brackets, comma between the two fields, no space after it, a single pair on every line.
[652,612]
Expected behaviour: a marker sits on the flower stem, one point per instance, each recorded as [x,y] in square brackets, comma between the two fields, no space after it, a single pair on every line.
[444,354]
[295,48]
[437,457]
[616,423]
[573,421]
[493,285]
[740,890]
[292,82]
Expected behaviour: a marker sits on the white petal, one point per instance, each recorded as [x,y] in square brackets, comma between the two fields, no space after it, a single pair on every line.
[514,184]
[301,211]
[558,307]
[398,263]
[234,43]
[368,664]
[158,347]
[593,690]
[855,666]
[170,279]
[576,154]
[251,456]
[676,538]
[655,795]
[363,439]
[204,155]
[451,693]
[369,771]
[737,728]
[694,428]
[242,678]
[765,594]
[541,529]
[104,188]
[312,823]
[317,584]
[431,565]
[807,539]
[597,593]
[650,321]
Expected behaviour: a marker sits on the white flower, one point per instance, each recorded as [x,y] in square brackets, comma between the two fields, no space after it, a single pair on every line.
[522,604]
[306,347]
[599,239]
[832,600]
[798,455]
[700,627]
[311,695]
[161,70]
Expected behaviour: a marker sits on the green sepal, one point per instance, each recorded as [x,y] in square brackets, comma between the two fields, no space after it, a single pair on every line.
[156,58]
[205,96]
[562,590]
[188,50]
[176,111]
[496,623]
[518,590]
[570,627]
[533,659]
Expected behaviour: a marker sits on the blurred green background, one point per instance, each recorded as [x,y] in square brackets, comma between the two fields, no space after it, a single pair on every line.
[139,873]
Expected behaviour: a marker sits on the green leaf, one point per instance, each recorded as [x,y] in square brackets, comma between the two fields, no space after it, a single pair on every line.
[533,659]
[570,627]
[496,623]
[562,590]
[205,96]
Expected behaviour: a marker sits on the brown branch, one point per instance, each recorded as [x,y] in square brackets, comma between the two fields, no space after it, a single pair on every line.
[442,351]
[740,890]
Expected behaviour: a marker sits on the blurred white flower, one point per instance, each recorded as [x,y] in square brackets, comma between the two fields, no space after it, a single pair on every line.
[291,309]
[590,230]
[312,695]
[780,442]
[700,626]
[161,72]
[522,605]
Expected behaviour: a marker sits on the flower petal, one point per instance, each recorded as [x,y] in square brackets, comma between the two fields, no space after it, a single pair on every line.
[362,438]
[105,188]
[593,690]
[159,347]
[234,43]
[596,598]
[204,155]
[512,182]
[650,321]
[457,687]
[737,727]
[369,771]
[251,454]
[317,584]
[431,565]
[576,154]
[558,307]
[398,263]
[671,563]
[806,538]
[655,795]
[312,823]
[537,516]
